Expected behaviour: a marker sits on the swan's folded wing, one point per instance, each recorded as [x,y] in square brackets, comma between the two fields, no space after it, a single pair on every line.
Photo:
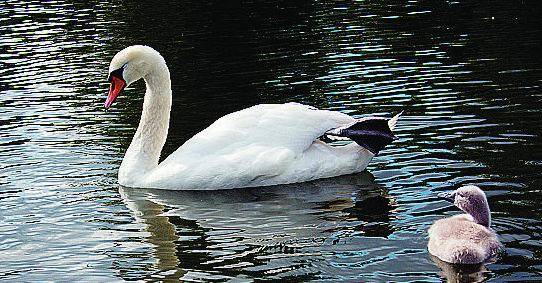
[257,142]
[292,126]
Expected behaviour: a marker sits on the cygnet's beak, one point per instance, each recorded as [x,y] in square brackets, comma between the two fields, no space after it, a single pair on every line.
[116,87]
[448,196]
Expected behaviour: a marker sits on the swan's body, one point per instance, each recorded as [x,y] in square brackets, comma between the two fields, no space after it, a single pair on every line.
[465,238]
[259,146]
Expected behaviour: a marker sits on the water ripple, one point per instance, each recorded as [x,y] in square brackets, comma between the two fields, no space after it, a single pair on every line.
[465,74]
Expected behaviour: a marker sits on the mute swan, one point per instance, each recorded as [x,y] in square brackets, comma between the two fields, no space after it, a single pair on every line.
[465,238]
[263,145]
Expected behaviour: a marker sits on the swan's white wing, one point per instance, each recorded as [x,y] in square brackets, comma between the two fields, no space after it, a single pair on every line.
[257,142]
[293,126]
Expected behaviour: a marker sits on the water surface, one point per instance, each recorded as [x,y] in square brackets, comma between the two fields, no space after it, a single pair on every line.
[468,76]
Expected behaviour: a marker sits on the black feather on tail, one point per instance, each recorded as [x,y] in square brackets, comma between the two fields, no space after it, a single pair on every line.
[372,133]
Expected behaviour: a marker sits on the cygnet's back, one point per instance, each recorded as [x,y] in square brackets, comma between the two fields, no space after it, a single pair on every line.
[465,238]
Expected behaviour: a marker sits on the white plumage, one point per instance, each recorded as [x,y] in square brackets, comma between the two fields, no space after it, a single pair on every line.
[262,145]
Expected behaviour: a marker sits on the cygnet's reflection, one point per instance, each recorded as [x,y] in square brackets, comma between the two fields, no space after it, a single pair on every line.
[462,272]
[247,227]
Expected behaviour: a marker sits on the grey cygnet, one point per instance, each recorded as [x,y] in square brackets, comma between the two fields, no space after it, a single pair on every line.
[465,238]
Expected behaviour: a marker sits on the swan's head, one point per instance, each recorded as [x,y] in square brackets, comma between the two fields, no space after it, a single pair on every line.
[472,200]
[129,65]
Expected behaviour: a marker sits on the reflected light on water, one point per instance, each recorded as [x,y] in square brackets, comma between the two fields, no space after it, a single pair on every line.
[466,74]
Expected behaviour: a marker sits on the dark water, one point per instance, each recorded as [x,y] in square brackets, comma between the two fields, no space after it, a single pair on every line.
[467,74]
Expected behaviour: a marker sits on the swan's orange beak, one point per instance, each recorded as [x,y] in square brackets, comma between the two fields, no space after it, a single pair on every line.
[116,87]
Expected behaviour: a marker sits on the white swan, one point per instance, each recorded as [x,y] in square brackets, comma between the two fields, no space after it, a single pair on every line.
[465,238]
[259,146]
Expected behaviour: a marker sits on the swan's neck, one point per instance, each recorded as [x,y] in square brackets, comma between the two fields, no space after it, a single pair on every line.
[483,218]
[481,215]
[144,152]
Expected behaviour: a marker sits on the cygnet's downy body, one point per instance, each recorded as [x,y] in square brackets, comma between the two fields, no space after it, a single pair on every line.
[465,238]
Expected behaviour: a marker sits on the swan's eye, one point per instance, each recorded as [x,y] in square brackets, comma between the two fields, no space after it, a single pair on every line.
[116,73]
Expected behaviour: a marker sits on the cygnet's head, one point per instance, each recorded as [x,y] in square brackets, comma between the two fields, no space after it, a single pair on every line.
[129,65]
[472,200]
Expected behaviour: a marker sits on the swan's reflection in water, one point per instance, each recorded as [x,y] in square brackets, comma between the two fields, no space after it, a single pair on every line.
[457,273]
[243,232]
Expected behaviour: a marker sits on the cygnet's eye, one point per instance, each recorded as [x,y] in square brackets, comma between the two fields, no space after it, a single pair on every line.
[463,198]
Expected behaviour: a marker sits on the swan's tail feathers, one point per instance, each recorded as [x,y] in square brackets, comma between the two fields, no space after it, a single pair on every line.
[393,121]
[372,133]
